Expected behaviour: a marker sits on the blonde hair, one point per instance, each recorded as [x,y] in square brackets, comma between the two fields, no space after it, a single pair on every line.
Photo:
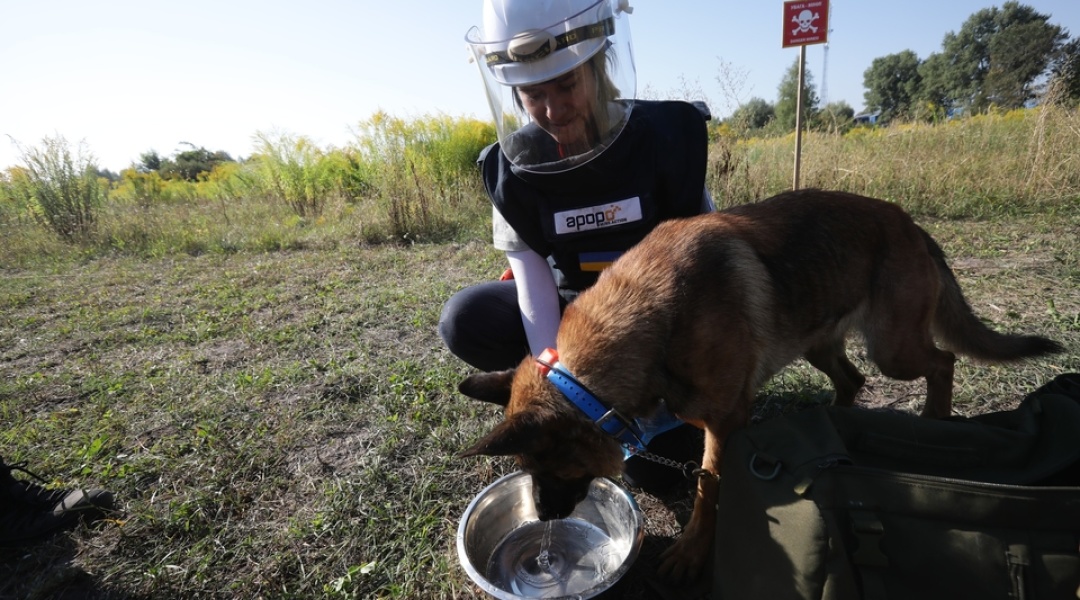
[606,92]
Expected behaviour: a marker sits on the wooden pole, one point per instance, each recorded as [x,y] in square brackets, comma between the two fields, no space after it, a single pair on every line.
[798,117]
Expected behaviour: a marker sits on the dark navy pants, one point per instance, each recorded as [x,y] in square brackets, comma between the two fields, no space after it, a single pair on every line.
[481,325]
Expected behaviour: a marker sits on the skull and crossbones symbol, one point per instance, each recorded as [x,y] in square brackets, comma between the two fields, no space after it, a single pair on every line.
[805,21]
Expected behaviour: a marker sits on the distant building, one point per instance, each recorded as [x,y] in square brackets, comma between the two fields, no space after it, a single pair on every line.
[867,118]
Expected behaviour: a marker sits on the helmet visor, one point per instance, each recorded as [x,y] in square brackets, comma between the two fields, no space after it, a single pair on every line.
[559,95]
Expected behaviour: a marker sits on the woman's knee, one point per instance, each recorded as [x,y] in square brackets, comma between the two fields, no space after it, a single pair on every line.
[453,322]
[482,326]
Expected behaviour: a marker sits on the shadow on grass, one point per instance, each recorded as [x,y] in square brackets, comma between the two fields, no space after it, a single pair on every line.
[49,570]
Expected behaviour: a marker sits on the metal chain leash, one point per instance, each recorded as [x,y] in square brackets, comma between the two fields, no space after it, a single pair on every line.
[690,469]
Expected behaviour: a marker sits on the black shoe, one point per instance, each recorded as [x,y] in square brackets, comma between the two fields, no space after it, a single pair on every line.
[28,511]
[683,444]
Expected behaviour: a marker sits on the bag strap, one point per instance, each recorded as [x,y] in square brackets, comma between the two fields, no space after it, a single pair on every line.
[871,563]
[1019,560]
[1024,446]
[1066,384]
[868,558]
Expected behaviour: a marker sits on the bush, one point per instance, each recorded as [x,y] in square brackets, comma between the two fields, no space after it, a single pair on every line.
[143,188]
[292,170]
[424,170]
[62,189]
[14,197]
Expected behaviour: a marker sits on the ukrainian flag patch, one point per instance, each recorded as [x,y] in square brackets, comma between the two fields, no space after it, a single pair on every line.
[597,261]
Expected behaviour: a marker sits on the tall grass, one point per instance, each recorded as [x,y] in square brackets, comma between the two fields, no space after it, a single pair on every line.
[60,187]
[992,164]
[293,171]
[427,180]
[404,181]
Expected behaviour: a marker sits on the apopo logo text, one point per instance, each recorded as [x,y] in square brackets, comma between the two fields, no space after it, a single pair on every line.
[597,217]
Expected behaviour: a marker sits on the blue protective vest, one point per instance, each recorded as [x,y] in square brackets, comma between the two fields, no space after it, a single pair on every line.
[585,218]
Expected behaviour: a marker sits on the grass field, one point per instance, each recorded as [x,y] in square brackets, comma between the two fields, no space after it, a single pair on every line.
[268,399]
[284,424]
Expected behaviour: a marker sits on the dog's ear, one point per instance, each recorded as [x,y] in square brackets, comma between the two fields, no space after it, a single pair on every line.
[516,435]
[489,387]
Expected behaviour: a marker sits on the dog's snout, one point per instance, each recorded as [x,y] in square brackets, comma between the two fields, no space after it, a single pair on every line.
[548,511]
[556,499]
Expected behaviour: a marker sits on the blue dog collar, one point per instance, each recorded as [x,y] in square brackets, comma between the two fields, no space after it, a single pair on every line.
[630,433]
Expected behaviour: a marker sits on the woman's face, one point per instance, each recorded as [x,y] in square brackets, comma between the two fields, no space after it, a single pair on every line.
[563,106]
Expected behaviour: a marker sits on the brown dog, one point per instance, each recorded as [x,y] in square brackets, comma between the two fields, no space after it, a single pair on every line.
[706,309]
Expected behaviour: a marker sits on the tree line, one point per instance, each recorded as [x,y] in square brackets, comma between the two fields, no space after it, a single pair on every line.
[1007,57]
[1004,57]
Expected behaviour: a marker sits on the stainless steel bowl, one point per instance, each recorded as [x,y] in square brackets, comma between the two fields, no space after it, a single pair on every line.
[501,543]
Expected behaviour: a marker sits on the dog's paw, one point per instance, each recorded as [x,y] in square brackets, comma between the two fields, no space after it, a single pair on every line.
[681,564]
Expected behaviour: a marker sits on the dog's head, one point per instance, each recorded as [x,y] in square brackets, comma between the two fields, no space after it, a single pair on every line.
[554,443]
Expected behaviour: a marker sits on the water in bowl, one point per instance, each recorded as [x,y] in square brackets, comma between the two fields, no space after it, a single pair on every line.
[553,559]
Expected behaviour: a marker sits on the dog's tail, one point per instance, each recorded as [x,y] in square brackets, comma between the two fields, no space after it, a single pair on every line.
[962,332]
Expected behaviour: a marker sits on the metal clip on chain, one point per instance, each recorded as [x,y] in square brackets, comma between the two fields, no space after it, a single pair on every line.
[690,469]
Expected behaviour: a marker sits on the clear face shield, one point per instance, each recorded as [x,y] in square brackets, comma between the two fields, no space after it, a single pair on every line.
[561,91]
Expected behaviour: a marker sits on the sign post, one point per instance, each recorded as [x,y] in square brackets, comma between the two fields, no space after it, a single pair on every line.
[805,22]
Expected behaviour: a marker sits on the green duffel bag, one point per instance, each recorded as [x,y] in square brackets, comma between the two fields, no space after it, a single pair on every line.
[842,503]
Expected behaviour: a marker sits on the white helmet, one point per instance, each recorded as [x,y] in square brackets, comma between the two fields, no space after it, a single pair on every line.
[527,42]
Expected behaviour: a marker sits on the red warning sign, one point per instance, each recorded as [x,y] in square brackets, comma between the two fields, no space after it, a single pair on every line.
[806,22]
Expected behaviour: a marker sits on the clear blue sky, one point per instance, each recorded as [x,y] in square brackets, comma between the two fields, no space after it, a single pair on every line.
[130,76]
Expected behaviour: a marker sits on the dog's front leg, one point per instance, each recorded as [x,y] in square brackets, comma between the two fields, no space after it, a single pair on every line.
[682,562]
